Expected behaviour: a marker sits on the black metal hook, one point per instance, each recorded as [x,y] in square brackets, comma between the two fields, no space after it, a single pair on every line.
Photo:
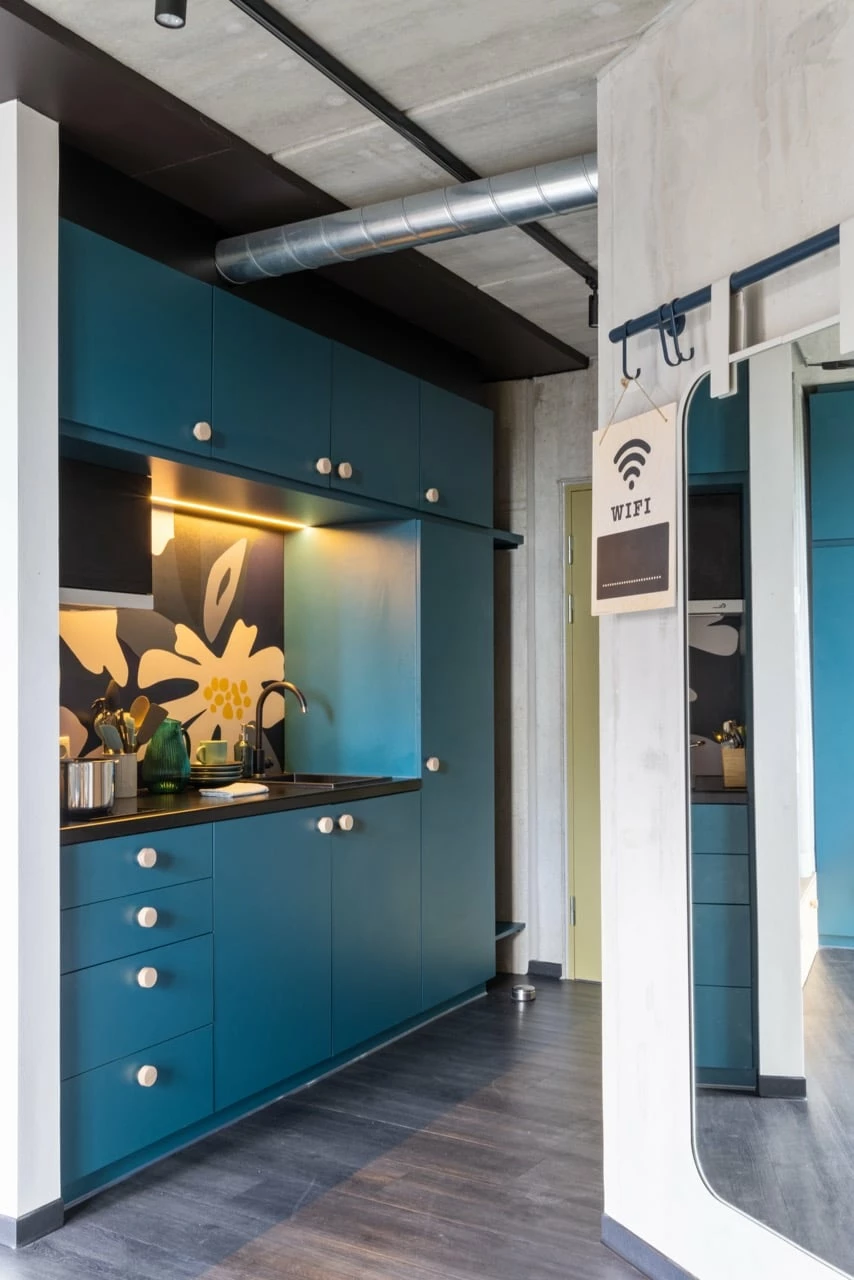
[628,376]
[670,323]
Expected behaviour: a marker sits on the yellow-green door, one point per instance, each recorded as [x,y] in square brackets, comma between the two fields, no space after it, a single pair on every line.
[582,754]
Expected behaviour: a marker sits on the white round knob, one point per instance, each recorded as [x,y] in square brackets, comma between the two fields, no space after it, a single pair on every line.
[432,495]
[324,466]
[433,764]
[146,1076]
[345,470]
[146,917]
[202,431]
[147,858]
[345,822]
[147,977]
[325,826]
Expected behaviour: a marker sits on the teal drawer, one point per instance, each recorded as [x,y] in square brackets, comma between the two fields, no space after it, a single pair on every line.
[722,946]
[106,1014]
[720,877]
[723,1028]
[105,931]
[107,1114]
[103,869]
[719,828]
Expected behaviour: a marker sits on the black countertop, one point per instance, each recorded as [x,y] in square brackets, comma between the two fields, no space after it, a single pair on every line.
[710,789]
[157,813]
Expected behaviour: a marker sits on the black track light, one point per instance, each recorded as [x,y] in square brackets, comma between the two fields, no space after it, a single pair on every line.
[170,13]
[593,309]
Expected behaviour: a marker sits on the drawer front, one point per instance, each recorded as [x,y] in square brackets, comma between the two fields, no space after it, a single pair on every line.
[107,1114]
[722,946]
[719,828]
[107,1013]
[102,869]
[720,877]
[105,931]
[723,1028]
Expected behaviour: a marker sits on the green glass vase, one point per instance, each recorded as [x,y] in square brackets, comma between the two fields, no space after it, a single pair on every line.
[166,765]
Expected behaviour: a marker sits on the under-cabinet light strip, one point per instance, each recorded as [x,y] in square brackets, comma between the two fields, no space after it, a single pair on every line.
[226,513]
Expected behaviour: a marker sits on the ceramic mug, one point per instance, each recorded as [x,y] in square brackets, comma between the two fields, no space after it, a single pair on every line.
[214,752]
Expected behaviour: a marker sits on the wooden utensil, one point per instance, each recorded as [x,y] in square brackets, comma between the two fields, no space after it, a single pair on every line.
[153,719]
[139,709]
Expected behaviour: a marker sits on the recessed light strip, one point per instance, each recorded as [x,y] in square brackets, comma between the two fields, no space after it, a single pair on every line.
[226,513]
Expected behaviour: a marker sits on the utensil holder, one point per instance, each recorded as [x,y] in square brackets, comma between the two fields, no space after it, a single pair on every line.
[734,765]
[126,776]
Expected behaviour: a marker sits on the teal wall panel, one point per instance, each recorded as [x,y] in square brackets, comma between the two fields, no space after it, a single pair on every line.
[351,644]
[831,454]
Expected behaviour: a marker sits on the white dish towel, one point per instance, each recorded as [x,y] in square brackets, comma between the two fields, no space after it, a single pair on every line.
[235,791]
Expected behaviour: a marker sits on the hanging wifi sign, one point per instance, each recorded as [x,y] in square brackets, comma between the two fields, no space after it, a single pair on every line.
[634,514]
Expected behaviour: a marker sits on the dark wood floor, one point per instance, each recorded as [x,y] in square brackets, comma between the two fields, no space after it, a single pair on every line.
[791,1164]
[471,1150]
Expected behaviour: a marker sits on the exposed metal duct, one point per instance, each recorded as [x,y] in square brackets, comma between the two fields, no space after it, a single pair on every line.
[464,210]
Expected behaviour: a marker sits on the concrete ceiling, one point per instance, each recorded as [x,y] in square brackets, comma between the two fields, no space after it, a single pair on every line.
[502,84]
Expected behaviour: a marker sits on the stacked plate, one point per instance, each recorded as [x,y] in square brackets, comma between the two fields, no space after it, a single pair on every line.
[216,775]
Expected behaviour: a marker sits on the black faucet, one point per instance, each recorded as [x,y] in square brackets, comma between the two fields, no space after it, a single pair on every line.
[282,686]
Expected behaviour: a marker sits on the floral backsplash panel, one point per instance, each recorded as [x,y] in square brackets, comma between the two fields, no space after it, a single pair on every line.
[215,636]
[716,662]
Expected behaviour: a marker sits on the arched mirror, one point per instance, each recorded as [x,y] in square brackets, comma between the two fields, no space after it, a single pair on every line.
[769,577]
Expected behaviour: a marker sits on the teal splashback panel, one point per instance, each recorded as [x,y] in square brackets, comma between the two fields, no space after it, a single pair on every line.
[351,644]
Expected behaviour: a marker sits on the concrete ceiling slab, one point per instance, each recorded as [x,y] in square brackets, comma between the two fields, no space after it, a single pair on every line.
[504,85]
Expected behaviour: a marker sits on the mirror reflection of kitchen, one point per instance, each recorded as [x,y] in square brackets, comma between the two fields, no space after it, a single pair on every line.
[770,620]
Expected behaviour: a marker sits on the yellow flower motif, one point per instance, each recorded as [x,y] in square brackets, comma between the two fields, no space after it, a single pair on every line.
[227,687]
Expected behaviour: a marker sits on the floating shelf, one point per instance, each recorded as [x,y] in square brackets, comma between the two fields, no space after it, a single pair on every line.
[507,929]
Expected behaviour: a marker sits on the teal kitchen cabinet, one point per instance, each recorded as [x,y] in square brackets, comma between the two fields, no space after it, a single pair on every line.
[457,798]
[456,457]
[375,429]
[272,949]
[271,391]
[134,343]
[722,945]
[376,926]
[831,458]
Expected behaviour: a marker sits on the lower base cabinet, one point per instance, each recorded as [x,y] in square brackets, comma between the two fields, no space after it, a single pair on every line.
[272,930]
[113,1111]
[376,918]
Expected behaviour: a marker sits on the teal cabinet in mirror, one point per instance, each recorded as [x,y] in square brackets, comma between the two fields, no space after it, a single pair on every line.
[135,344]
[271,392]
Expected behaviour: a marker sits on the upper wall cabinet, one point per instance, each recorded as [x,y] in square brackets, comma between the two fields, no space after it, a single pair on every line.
[375,424]
[456,457]
[831,454]
[271,392]
[135,343]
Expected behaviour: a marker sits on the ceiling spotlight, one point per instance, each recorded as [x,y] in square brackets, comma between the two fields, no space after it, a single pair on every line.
[593,309]
[170,13]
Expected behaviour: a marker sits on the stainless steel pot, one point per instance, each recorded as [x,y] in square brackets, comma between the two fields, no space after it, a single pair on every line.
[87,788]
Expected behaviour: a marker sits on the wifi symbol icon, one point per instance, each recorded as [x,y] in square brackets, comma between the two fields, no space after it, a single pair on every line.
[630,458]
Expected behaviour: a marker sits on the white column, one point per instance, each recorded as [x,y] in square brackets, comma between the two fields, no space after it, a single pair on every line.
[29,661]
[776,553]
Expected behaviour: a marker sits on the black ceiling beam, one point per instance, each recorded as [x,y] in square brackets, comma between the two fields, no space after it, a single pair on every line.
[299,42]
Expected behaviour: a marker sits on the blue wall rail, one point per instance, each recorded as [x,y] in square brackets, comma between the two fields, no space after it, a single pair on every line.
[668,319]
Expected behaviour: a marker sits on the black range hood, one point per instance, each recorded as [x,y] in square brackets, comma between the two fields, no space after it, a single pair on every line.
[104,537]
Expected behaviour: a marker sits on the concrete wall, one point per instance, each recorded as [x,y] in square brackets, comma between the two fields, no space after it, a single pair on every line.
[719,143]
[29,659]
[543,439]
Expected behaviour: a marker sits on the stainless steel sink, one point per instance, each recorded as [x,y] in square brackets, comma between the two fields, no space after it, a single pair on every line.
[321,781]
